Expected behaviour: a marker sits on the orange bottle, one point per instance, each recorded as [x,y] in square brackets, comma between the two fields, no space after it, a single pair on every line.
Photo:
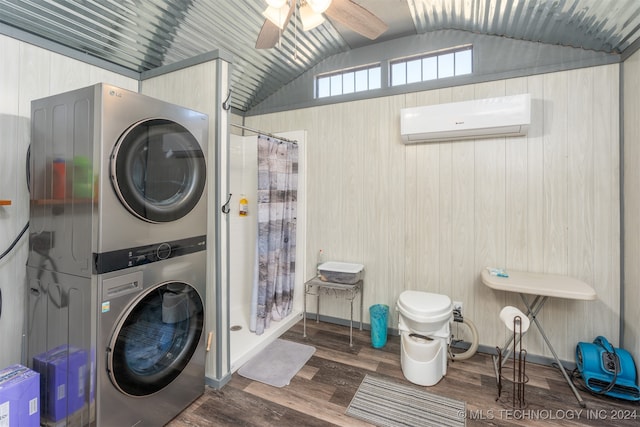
[59,179]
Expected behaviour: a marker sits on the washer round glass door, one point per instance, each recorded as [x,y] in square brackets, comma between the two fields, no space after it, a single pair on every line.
[158,170]
[155,339]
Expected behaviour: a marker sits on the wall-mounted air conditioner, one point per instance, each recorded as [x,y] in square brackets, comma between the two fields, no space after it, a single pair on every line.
[480,118]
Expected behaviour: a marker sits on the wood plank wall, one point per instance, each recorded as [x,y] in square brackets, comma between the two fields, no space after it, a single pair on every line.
[431,216]
[632,203]
[27,73]
[196,87]
[425,217]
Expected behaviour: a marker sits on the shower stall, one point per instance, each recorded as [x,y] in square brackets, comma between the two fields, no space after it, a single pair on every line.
[243,229]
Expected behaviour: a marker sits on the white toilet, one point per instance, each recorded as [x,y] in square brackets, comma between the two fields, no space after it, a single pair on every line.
[424,328]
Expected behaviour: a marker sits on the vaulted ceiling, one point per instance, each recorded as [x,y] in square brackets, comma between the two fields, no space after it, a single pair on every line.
[142,35]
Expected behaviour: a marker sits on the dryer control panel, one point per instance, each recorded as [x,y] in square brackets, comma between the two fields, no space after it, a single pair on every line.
[131,257]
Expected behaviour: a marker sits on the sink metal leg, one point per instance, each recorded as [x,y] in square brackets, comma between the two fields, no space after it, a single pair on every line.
[351,326]
[361,307]
[304,315]
[352,293]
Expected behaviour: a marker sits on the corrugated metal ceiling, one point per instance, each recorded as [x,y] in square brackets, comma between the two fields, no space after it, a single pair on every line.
[141,35]
[602,25]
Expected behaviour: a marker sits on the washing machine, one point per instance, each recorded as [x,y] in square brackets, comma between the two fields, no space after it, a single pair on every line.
[124,170]
[124,348]
[151,345]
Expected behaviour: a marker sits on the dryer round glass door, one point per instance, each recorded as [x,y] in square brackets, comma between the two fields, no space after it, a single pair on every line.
[158,170]
[155,338]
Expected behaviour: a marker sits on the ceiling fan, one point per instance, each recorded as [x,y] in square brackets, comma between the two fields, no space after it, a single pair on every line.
[346,12]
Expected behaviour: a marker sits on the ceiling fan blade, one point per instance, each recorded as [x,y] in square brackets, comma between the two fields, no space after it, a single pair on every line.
[357,18]
[268,37]
[270,33]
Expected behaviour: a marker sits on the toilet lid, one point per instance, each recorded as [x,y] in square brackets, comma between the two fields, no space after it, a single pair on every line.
[424,304]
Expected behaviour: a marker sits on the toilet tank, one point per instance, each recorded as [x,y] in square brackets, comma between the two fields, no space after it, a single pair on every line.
[423,312]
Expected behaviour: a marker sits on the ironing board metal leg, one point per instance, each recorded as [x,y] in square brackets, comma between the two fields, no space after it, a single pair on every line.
[555,356]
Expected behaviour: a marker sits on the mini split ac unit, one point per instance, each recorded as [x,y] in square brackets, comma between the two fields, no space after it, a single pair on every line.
[480,118]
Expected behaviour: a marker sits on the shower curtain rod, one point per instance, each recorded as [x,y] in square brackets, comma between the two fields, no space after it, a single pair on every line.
[264,133]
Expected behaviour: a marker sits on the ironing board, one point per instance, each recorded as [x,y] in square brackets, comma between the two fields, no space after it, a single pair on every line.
[539,287]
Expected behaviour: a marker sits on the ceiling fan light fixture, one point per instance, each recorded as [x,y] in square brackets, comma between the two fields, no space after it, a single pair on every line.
[319,6]
[309,18]
[277,15]
[276,3]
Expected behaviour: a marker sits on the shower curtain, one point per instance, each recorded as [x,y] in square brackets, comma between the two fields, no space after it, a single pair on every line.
[276,241]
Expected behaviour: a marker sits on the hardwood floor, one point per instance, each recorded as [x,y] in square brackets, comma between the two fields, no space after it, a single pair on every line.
[320,393]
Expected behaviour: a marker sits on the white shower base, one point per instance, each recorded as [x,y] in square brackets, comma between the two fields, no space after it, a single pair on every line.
[245,344]
[243,181]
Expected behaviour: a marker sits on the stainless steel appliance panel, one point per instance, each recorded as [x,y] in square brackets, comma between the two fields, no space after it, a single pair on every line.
[62,321]
[118,190]
[90,144]
[147,382]
[62,154]
[122,113]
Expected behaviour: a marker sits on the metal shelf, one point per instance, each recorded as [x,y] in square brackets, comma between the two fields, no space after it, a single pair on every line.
[319,287]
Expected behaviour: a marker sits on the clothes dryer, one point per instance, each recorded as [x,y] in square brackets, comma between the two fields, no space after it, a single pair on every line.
[122,169]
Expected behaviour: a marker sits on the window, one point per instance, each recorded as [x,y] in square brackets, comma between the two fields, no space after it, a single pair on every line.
[431,66]
[348,81]
[463,62]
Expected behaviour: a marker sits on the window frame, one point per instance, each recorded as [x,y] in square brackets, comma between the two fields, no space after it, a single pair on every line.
[403,65]
[327,79]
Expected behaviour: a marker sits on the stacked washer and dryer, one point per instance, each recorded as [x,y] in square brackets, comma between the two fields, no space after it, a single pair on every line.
[117,263]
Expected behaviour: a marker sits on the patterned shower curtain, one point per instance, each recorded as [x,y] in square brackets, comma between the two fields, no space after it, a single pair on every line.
[276,251]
